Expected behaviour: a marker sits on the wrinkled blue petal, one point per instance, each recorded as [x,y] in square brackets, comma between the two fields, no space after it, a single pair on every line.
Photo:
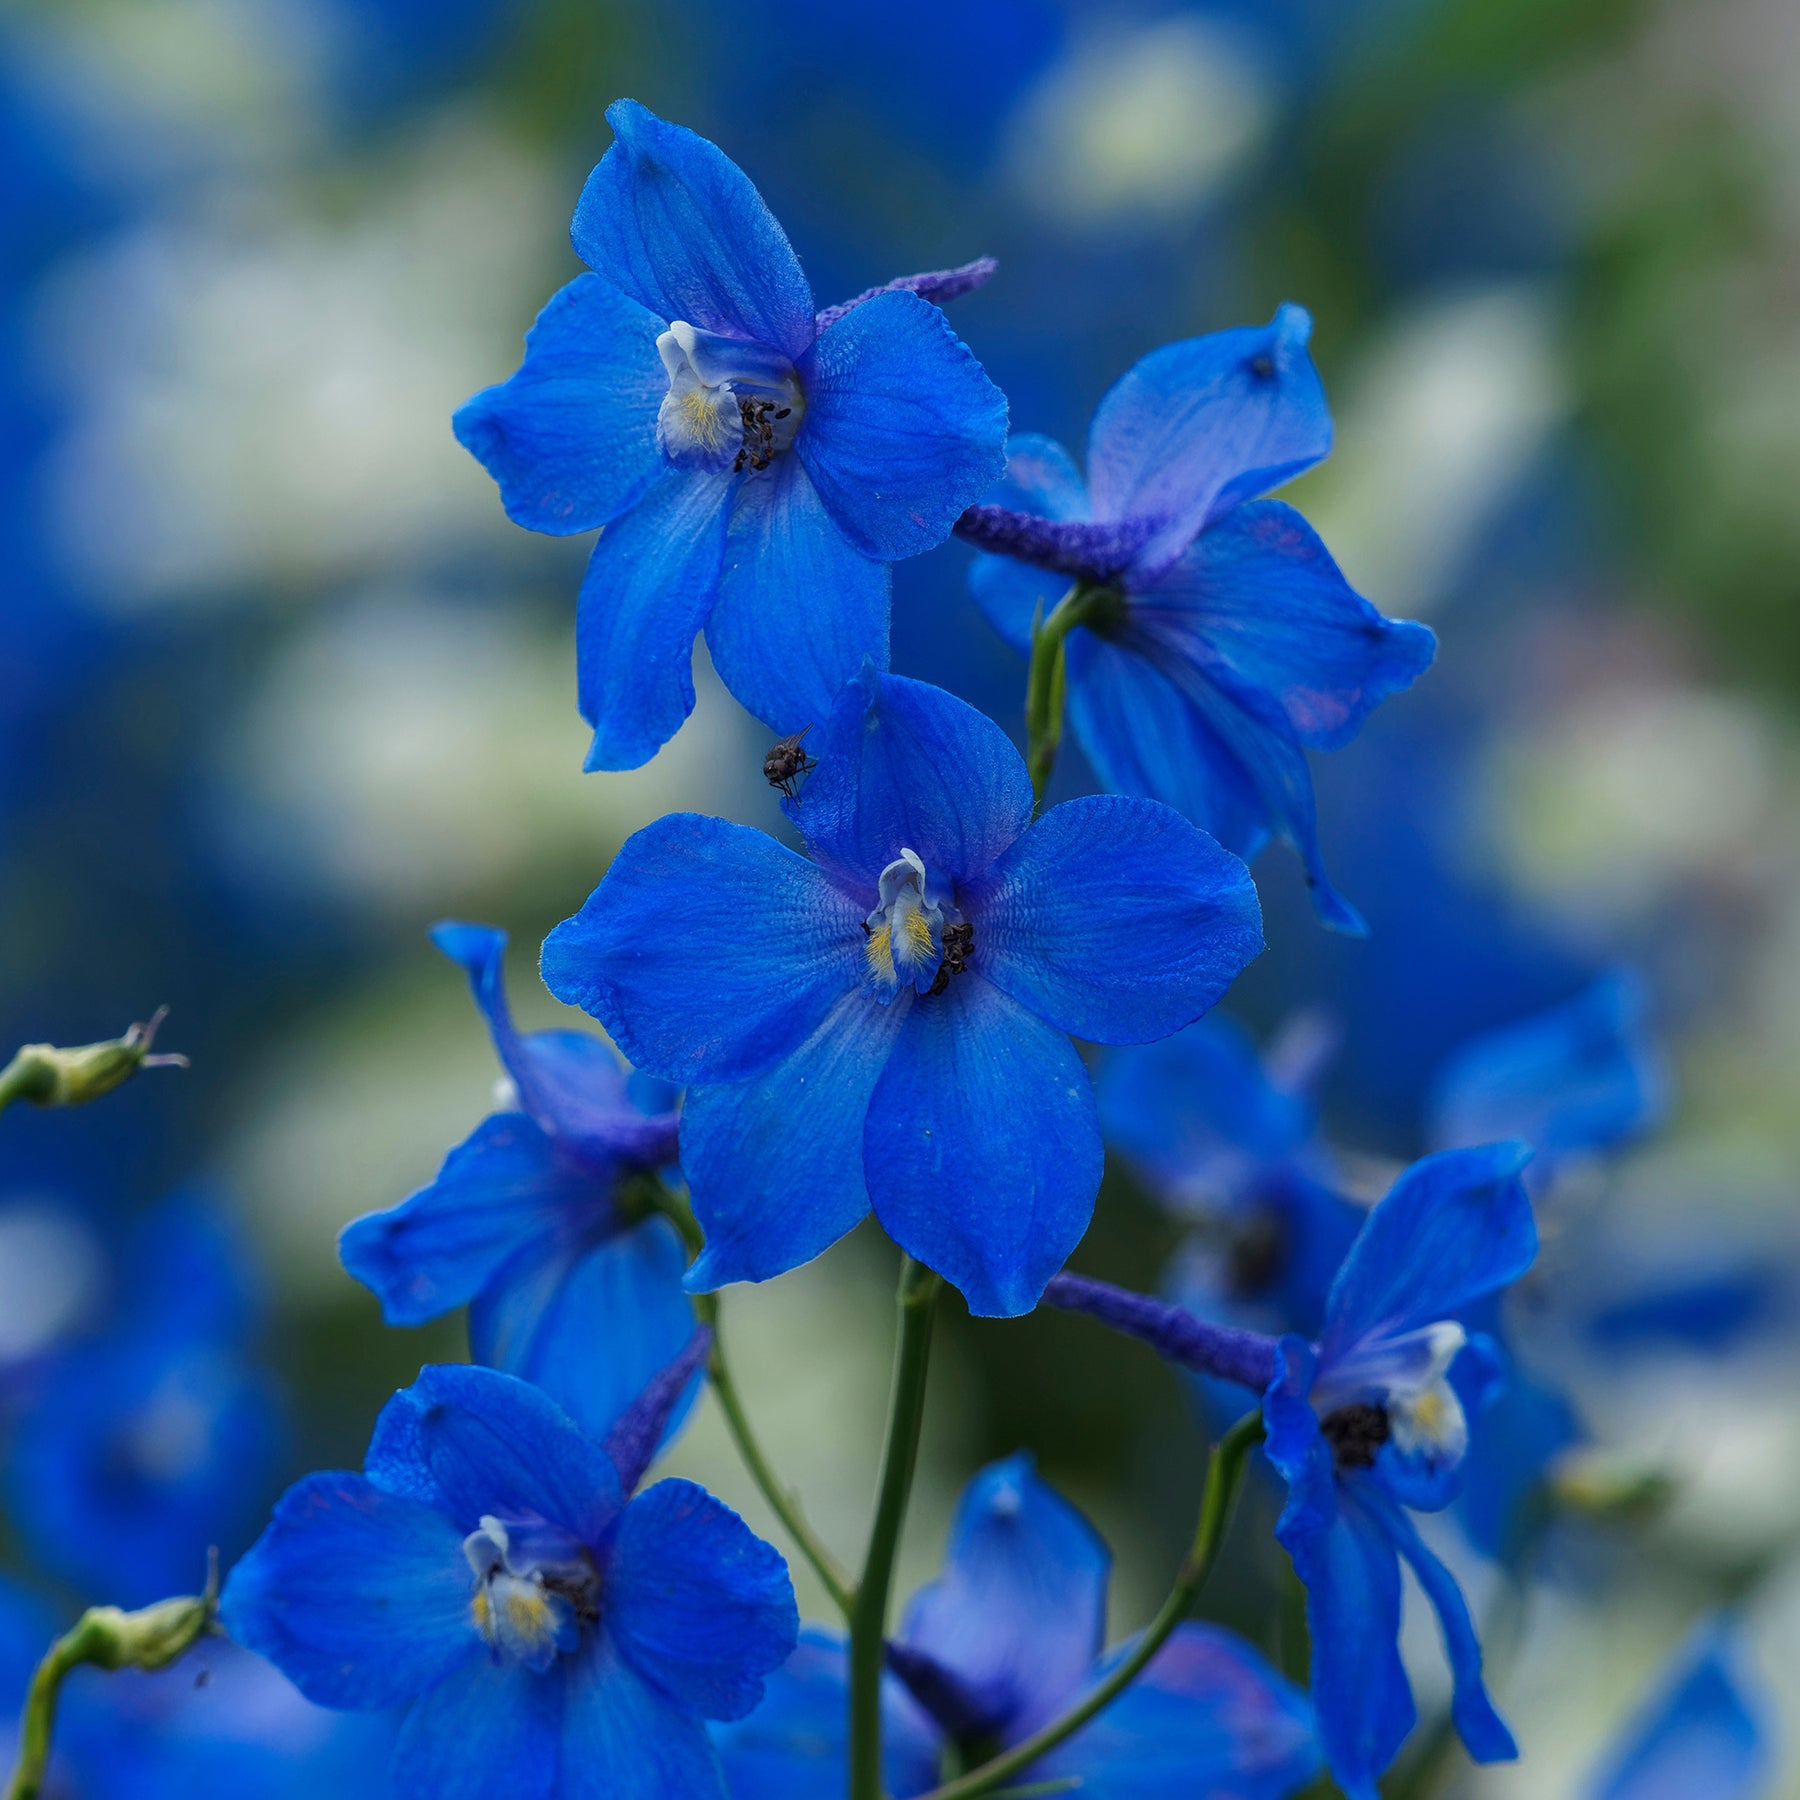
[775,1165]
[359,1596]
[649,588]
[903,429]
[1259,607]
[696,1602]
[795,1745]
[799,609]
[1115,920]
[1704,1734]
[589,1323]
[1482,1730]
[709,951]
[1581,1077]
[1455,1227]
[1197,427]
[903,765]
[1019,1613]
[1207,1717]
[494,1727]
[571,438]
[503,1188]
[624,1739]
[470,1441]
[982,1149]
[672,221]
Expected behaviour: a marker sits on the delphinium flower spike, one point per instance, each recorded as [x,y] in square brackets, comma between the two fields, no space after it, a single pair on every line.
[1369,1422]
[888,1024]
[1216,641]
[531,1222]
[756,466]
[548,1633]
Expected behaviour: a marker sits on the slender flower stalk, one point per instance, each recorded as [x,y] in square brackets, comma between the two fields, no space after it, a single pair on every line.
[917,1303]
[1224,1476]
[1046,683]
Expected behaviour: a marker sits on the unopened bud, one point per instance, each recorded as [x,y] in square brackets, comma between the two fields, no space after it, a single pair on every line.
[47,1076]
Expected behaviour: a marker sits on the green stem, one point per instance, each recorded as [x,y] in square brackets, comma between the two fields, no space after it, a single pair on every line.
[1045,683]
[917,1301]
[110,1639]
[1224,1476]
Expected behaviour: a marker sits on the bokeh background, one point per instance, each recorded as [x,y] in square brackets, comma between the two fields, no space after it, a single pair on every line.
[280,686]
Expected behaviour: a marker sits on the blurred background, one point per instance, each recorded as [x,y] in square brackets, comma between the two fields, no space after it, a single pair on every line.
[280,686]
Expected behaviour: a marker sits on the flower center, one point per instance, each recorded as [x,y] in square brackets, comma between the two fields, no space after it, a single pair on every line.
[1356,1434]
[910,939]
[731,403]
[535,1587]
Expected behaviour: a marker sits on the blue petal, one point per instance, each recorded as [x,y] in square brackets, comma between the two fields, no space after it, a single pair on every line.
[1510,1449]
[623,1739]
[494,1727]
[676,224]
[1428,1477]
[903,429]
[1359,1687]
[799,610]
[1257,604]
[795,1745]
[571,438]
[1208,1716]
[649,588]
[359,1596]
[1581,1077]
[982,1149]
[1481,1729]
[503,1188]
[709,951]
[903,765]
[1019,1613]
[1040,478]
[775,1165]
[1197,427]
[471,1441]
[1703,1735]
[1115,920]
[572,1083]
[1454,1227]
[590,1325]
[696,1602]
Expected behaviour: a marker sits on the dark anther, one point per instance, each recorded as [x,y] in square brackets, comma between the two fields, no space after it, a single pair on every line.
[787,762]
[1355,1433]
[1259,1252]
[1262,367]
[782,412]
[959,946]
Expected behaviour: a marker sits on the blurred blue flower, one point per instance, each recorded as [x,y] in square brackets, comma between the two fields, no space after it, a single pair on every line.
[888,1024]
[490,1571]
[1231,644]
[141,1449]
[1702,1735]
[756,466]
[531,1222]
[1006,1639]
[1372,1420]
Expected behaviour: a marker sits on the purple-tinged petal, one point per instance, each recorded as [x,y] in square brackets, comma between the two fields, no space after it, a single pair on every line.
[672,221]
[571,438]
[708,951]
[1114,919]
[799,610]
[939,286]
[982,1150]
[903,429]
[904,766]
[649,588]
[642,1428]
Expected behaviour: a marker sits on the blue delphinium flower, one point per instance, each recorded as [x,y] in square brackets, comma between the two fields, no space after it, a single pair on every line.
[1009,1637]
[888,1025]
[143,1447]
[1231,644]
[490,1571]
[1368,1422]
[1702,1735]
[756,466]
[530,1222]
